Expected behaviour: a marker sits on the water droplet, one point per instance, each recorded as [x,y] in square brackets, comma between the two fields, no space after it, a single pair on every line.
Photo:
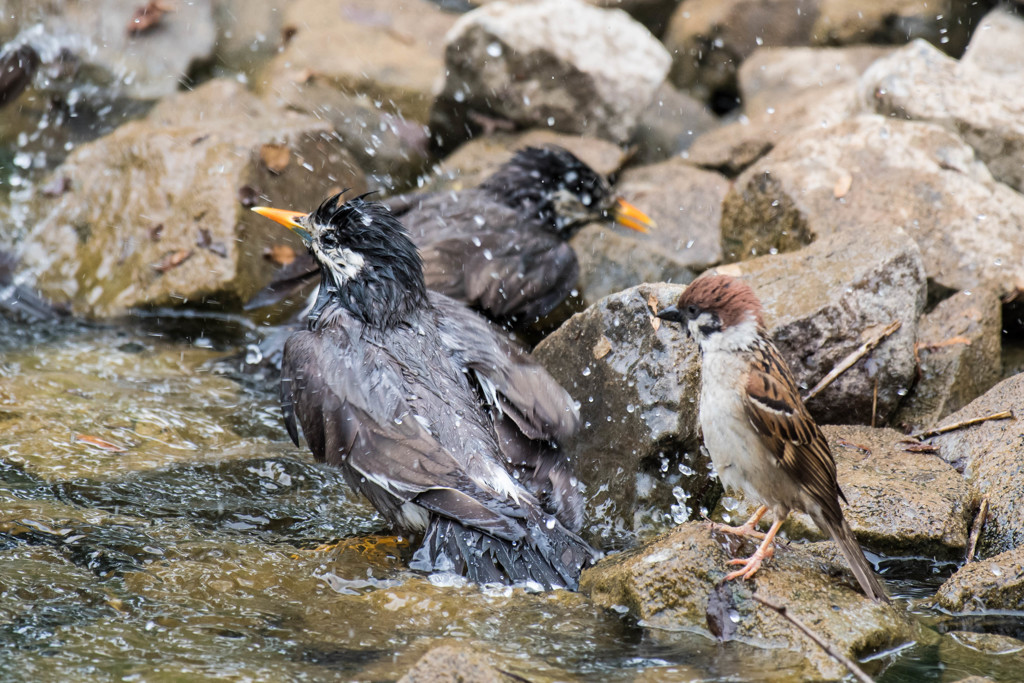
[494,49]
[586,371]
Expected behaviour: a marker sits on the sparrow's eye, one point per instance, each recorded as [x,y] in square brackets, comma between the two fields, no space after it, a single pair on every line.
[692,311]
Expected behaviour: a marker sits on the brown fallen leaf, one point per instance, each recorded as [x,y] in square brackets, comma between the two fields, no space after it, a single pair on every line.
[849,444]
[275,157]
[99,443]
[147,16]
[173,260]
[602,348]
[842,186]
[281,254]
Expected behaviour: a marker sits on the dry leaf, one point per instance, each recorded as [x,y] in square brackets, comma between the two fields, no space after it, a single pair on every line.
[275,157]
[850,444]
[99,443]
[281,254]
[842,186]
[172,260]
[652,303]
[602,348]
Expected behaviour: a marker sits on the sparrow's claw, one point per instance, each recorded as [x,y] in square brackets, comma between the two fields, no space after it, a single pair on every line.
[745,530]
[750,564]
[749,528]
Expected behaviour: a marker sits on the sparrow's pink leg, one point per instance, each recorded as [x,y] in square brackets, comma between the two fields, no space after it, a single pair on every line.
[749,527]
[763,552]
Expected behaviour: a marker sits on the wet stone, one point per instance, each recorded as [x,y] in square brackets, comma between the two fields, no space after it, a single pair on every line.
[452,664]
[991,459]
[868,171]
[959,347]
[991,583]
[388,50]
[173,230]
[674,582]
[635,379]
[558,64]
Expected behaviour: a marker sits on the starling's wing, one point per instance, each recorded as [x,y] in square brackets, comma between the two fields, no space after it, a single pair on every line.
[503,274]
[508,378]
[778,414]
[350,402]
[288,281]
[529,408]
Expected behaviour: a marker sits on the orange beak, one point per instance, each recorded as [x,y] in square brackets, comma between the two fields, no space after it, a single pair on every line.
[289,219]
[628,216]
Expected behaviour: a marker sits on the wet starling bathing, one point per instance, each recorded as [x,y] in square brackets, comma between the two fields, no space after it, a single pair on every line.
[502,247]
[446,428]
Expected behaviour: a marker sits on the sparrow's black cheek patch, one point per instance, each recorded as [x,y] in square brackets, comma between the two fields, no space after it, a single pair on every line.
[709,329]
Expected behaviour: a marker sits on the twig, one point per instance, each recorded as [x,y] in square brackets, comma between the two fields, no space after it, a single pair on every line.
[848,362]
[1004,415]
[979,523]
[874,403]
[857,672]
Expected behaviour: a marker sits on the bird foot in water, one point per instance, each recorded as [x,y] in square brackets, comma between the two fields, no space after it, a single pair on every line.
[377,549]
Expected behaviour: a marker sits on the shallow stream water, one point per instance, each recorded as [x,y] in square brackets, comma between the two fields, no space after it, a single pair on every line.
[157,524]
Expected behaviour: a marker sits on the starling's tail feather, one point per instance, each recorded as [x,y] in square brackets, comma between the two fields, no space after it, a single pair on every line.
[548,556]
[862,569]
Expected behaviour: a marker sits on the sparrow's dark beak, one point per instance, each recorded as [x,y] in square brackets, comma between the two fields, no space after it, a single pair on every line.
[673,315]
[628,216]
[289,219]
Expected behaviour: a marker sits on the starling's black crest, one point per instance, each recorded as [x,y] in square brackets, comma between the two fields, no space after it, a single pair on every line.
[446,428]
[389,284]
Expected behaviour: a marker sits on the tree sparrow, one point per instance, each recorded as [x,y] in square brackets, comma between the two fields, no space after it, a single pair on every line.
[760,436]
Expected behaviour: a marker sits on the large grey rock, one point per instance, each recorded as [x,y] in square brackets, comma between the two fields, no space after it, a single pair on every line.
[995,45]
[994,583]
[959,349]
[389,50]
[918,82]
[898,501]
[157,213]
[709,39]
[870,171]
[732,148]
[674,582]
[636,382]
[145,65]
[560,64]
[822,302]
[771,76]
[784,90]
[992,460]
[669,125]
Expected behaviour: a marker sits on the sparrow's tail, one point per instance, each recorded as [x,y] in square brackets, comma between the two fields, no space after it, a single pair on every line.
[551,555]
[862,569]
